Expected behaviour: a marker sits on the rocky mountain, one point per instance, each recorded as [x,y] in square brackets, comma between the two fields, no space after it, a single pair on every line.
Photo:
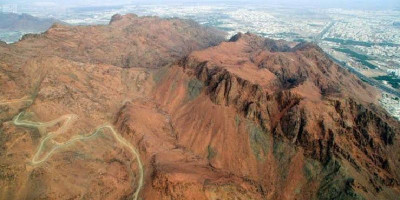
[128,41]
[150,108]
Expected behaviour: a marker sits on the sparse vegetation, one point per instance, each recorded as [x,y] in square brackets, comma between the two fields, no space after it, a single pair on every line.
[283,154]
[336,184]
[237,121]
[349,42]
[36,89]
[360,43]
[174,85]
[278,150]
[211,152]
[160,74]
[393,81]
[363,59]
[259,141]
[194,89]
[311,169]
[73,76]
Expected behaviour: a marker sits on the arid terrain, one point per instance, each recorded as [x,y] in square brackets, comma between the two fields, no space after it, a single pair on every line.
[151,108]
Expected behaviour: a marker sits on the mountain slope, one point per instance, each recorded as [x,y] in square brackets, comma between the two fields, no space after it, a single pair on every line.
[292,121]
[249,118]
[128,41]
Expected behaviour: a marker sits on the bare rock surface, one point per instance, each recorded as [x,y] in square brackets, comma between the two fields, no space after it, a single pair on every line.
[151,108]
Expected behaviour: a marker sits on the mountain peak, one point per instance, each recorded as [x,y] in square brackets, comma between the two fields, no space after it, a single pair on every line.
[184,114]
[145,42]
[119,17]
[280,65]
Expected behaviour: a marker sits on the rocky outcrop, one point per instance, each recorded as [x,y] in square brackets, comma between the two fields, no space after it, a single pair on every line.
[338,125]
[115,18]
[249,99]
[127,41]
[225,88]
[251,118]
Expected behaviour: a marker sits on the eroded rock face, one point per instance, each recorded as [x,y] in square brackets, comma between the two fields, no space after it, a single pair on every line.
[174,172]
[301,104]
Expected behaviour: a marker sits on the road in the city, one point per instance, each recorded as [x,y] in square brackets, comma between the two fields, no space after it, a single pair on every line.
[375,83]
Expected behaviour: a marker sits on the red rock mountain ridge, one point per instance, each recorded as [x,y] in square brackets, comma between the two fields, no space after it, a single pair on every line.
[249,118]
[128,41]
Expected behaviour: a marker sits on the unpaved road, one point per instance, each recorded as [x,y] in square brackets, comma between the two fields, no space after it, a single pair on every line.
[67,121]
[23,99]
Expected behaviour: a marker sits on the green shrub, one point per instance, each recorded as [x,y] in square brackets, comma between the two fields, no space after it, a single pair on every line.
[211,152]
[259,141]
[73,76]
[160,74]
[311,169]
[194,89]
[237,121]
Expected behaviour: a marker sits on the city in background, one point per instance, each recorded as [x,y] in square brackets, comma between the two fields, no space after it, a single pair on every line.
[365,41]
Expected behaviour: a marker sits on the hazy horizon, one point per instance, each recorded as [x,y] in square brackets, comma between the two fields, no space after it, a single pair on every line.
[346,4]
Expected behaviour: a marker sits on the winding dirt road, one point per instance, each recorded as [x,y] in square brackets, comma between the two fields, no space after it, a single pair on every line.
[23,99]
[68,120]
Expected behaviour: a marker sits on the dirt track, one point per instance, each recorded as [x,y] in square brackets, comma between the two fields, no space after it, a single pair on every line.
[67,121]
